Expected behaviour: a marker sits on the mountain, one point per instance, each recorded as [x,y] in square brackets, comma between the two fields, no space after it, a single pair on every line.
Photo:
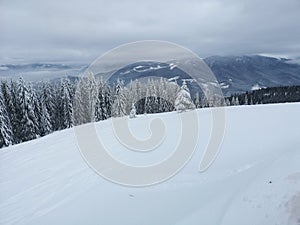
[244,73]
[234,73]
[144,70]
[254,179]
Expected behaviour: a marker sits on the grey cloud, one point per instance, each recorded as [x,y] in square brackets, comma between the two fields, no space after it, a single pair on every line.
[78,30]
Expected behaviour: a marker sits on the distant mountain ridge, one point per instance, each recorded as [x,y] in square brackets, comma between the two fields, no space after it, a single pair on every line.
[243,73]
[235,73]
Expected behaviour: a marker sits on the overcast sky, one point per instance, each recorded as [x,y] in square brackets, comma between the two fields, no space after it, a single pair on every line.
[81,30]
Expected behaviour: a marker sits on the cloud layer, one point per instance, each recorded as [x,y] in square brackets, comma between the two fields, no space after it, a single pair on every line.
[77,30]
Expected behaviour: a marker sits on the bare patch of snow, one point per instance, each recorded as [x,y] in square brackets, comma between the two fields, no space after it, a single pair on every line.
[172,66]
[256,87]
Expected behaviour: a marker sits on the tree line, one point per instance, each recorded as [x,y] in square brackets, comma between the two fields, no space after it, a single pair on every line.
[28,112]
[267,96]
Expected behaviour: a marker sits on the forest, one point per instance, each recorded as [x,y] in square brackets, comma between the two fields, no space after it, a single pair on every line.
[29,111]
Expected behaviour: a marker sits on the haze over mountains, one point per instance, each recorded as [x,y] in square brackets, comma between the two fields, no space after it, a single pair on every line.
[234,73]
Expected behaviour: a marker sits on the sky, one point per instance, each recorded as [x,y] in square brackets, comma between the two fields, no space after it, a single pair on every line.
[82,30]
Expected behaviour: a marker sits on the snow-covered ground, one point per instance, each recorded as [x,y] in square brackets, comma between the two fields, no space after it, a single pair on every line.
[254,180]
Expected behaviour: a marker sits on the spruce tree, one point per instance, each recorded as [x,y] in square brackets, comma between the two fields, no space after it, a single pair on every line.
[197,101]
[6,135]
[8,101]
[66,105]
[48,100]
[148,106]
[36,108]
[78,109]
[108,100]
[183,100]
[119,105]
[100,107]
[27,120]
[132,111]
[246,99]
[45,122]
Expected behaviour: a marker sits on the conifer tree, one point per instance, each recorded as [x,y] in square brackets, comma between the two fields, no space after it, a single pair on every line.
[27,120]
[183,100]
[9,106]
[45,122]
[119,105]
[6,135]
[108,101]
[48,100]
[66,104]
[132,111]
[100,107]
[197,101]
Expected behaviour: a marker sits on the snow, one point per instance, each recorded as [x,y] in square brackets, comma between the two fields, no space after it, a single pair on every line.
[147,68]
[254,180]
[189,80]
[224,85]
[126,72]
[172,66]
[256,87]
[173,78]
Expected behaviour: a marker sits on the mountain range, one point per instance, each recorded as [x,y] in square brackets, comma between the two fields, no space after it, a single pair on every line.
[234,73]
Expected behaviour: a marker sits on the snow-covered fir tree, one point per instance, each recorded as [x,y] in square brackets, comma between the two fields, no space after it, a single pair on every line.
[227,102]
[197,100]
[108,100]
[33,98]
[130,96]
[172,90]
[45,122]
[48,100]
[246,100]
[251,101]
[154,96]
[78,109]
[235,101]
[92,91]
[37,110]
[9,103]
[66,104]
[132,111]
[139,96]
[100,107]
[183,100]
[85,100]
[27,129]
[6,134]
[119,105]
[147,104]
[162,95]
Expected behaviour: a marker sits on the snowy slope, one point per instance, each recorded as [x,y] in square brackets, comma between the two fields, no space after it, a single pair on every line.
[254,180]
